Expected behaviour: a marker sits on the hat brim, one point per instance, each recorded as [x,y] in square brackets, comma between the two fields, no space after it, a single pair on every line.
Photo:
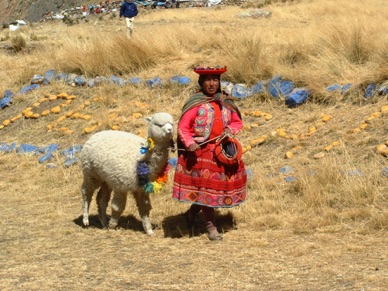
[210,72]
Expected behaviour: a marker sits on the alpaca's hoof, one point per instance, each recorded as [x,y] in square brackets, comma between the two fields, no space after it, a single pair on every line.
[112,224]
[150,232]
[85,221]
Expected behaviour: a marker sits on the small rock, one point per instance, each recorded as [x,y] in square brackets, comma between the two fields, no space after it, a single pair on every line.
[286,169]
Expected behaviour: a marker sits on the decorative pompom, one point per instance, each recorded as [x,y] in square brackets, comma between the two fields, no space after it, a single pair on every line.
[143,176]
[157,187]
[142,169]
[148,188]
[149,146]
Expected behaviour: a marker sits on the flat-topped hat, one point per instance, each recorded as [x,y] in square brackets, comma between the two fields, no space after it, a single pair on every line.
[217,70]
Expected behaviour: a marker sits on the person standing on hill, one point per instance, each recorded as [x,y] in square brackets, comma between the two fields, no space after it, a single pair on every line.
[210,173]
[129,10]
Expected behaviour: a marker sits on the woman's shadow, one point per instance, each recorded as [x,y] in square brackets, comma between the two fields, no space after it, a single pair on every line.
[176,226]
[173,226]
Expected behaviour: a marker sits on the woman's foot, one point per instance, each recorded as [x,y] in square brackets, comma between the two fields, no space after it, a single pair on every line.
[212,232]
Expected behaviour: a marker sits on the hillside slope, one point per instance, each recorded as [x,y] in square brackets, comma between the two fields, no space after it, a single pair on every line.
[32,11]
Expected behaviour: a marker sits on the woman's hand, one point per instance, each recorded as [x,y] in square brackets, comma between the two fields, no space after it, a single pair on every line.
[193,147]
[227,132]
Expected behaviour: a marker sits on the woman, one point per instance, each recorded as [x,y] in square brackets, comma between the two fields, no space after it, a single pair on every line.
[209,173]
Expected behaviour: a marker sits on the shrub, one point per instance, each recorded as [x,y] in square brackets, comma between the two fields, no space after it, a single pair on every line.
[18,41]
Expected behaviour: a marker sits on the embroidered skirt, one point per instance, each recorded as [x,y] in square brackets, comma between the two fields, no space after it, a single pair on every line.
[201,179]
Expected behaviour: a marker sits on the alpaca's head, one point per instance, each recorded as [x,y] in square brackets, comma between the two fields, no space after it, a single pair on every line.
[161,127]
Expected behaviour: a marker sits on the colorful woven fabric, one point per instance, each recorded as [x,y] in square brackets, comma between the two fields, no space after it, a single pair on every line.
[200,179]
[200,98]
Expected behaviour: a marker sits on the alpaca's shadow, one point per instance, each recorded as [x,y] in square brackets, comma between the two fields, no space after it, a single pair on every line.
[129,222]
[176,226]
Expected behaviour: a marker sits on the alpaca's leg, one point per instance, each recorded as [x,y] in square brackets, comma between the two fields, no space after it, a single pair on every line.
[87,190]
[144,206]
[103,198]
[118,205]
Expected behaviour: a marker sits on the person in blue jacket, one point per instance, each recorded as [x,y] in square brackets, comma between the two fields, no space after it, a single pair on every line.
[129,10]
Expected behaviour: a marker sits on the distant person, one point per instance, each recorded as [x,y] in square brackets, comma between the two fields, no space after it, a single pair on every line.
[167,4]
[129,11]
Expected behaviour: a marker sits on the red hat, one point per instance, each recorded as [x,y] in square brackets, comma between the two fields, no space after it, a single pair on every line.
[210,70]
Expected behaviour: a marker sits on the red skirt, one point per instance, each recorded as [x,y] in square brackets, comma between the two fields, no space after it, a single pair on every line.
[201,179]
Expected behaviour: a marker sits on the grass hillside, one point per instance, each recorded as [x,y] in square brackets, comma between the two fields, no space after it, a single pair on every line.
[316,216]
[32,11]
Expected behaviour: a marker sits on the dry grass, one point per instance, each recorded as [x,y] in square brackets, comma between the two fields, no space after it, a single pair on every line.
[326,230]
[18,42]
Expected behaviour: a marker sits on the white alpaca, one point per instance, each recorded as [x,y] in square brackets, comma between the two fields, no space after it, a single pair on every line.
[109,162]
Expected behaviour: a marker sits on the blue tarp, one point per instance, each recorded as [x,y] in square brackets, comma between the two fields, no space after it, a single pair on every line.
[117,80]
[278,87]
[28,88]
[180,80]
[241,91]
[134,80]
[71,151]
[37,79]
[297,97]
[155,82]
[49,76]
[370,91]
[7,148]
[61,77]
[48,152]
[346,88]
[334,87]
[7,99]
[338,87]
[26,148]
[80,81]
[258,87]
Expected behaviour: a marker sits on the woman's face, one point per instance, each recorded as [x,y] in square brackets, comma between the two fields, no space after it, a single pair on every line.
[210,85]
